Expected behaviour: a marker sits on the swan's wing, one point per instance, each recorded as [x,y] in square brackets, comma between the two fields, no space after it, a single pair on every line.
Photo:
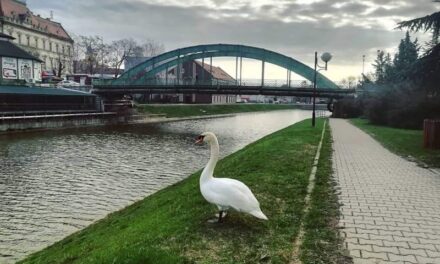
[230,193]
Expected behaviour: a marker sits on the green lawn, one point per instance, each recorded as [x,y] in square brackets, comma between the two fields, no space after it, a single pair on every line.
[404,142]
[171,225]
[322,242]
[201,110]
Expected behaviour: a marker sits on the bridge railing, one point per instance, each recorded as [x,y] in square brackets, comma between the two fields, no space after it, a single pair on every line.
[214,82]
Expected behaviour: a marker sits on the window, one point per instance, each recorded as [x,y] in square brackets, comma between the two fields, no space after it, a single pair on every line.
[28,40]
[50,46]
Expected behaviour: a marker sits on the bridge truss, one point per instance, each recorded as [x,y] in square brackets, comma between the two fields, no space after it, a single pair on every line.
[144,77]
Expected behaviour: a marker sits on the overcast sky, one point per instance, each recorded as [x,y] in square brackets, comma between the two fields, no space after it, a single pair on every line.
[346,28]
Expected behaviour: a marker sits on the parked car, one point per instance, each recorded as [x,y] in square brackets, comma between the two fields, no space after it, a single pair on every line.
[68,83]
[49,77]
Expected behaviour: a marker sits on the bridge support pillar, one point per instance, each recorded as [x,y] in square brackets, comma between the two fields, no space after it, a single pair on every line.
[236,70]
[203,70]
[210,71]
[178,69]
[241,69]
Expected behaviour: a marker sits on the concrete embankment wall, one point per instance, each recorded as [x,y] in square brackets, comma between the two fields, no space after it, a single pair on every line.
[22,123]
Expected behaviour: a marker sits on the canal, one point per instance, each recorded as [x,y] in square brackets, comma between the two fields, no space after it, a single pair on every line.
[54,183]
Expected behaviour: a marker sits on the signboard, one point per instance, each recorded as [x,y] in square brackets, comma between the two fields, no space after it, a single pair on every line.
[9,68]
[37,71]
[25,69]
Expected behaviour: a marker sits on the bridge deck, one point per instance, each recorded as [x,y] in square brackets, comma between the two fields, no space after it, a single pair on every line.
[221,89]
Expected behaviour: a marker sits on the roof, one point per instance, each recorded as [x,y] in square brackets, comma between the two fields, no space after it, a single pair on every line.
[25,90]
[5,36]
[217,72]
[9,49]
[12,9]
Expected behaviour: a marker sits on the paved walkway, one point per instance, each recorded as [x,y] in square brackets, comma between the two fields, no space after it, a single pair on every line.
[391,207]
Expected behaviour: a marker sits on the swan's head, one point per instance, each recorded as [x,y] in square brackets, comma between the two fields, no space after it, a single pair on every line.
[207,137]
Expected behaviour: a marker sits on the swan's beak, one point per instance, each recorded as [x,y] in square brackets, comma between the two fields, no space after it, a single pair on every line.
[199,139]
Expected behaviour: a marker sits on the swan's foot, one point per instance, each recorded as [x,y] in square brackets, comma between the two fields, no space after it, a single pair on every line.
[219,217]
[225,213]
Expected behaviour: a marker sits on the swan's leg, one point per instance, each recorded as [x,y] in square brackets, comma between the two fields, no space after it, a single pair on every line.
[220,216]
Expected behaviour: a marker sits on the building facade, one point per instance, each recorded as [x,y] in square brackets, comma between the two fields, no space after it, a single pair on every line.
[16,64]
[42,37]
[191,73]
[194,72]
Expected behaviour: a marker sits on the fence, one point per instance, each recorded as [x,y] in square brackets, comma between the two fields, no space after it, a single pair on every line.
[431,129]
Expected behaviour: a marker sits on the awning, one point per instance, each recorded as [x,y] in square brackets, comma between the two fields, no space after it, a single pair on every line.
[25,90]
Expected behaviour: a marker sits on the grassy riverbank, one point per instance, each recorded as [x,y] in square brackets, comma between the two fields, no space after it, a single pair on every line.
[202,110]
[171,225]
[405,142]
[322,242]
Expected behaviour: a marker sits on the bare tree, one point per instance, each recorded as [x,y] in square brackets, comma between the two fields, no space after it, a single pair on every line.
[61,65]
[119,51]
[77,53]
[151,48]
[95,51]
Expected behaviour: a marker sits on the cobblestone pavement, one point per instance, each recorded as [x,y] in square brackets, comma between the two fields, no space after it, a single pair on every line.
[391,207]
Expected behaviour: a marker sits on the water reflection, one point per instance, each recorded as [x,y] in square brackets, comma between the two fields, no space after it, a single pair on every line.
[57,182]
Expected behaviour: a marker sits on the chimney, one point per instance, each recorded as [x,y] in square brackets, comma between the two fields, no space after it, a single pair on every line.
[51,15]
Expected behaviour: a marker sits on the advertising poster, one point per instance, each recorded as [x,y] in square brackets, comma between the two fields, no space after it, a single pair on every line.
[24,69]
[37,71]
[9,68]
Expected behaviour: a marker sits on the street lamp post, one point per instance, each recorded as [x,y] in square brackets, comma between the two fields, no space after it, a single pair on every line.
[326,57]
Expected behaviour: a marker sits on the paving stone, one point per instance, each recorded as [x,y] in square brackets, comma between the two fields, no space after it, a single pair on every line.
[411,259]
[356,253]
[414,252]
[422,246]
[399,244]
[424,260]
[433,254]
[406,239]
[352,246]
[391,207]
[394,250]
[370,242]
[374,255]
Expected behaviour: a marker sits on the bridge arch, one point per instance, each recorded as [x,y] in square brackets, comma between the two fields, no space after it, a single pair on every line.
[167,60]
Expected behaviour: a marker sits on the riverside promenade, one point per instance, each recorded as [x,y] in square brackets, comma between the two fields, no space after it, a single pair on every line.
[390,209]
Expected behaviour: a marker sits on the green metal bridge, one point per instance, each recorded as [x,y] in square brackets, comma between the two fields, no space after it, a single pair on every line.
[145,77]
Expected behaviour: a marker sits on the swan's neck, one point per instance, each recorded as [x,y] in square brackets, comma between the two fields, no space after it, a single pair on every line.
[208,172]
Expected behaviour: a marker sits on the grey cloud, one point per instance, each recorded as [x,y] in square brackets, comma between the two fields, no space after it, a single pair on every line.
[184,26]
[354,8]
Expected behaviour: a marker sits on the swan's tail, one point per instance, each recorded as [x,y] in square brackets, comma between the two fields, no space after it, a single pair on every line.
[259,214]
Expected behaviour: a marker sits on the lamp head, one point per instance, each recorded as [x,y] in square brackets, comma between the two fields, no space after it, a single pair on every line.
[326,57]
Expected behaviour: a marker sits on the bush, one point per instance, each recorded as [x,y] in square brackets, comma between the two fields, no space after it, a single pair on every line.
[402,105]
[347,108]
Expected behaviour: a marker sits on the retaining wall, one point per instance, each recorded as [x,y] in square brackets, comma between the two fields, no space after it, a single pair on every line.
[21,123]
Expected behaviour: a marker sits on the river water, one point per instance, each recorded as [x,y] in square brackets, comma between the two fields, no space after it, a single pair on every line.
[54,183]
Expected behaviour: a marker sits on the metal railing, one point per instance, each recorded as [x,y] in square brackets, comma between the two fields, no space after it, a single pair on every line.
[268,83]
[214,82]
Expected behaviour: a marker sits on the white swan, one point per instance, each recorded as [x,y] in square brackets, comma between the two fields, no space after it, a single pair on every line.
[223,192]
